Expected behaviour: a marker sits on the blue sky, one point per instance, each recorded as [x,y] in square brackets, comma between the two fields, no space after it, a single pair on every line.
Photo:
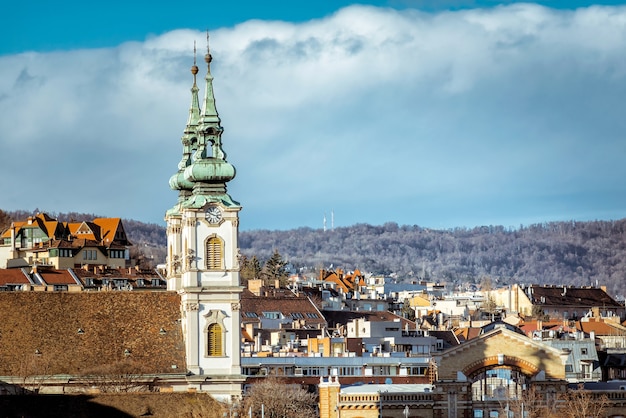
[43,25]
[431,113]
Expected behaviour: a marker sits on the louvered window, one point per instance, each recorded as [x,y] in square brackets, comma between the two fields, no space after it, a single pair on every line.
[214,253]
[215,340]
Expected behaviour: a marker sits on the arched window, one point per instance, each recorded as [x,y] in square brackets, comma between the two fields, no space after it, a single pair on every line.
[498,384]
[215,346]
[214,253]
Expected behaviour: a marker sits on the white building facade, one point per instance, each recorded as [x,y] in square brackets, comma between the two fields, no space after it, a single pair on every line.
[202,261]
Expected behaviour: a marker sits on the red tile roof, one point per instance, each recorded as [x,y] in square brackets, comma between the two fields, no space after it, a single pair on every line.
[57,277]
[297,308]
[12,276]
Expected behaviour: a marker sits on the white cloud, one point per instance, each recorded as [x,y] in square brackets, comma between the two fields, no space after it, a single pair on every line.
[474,116]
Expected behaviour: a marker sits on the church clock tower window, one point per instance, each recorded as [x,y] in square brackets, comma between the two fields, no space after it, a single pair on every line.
[214,253]
[214,346]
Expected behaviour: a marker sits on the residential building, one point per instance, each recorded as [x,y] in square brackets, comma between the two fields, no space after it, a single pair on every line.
[278,320]
[557,302]
[47,279]
[42,240]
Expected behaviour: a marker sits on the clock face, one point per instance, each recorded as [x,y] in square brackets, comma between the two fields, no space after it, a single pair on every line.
[214,215]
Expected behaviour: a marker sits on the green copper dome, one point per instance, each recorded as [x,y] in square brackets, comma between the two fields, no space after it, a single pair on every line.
[209,170]
[179,182]
[203,170]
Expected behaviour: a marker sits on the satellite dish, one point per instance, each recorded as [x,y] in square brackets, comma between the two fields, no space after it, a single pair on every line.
[388,381]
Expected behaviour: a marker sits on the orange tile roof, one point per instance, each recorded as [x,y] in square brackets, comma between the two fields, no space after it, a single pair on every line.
[43,221]
[103,231]
[600,328]
[84,230]
[108,227]
[346,281]
[467,333]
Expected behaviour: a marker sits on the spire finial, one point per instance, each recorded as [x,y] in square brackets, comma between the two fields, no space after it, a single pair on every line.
[194,67]
[207,57]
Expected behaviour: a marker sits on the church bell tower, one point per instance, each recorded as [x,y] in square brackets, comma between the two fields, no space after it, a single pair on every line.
[202,250]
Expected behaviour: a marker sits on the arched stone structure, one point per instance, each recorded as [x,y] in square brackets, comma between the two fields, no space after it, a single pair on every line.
[524,366]
[498,367]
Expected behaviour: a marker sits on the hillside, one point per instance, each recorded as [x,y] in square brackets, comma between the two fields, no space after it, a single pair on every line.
[570,253]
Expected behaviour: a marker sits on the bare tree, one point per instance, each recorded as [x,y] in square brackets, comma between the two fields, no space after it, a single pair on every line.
[279,400]
[5,221]
[117,378]
[535,403]
[33,371]
[581,403]
[532,403]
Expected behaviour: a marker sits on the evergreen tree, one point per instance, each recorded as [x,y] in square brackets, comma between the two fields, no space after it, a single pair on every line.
[407,311]
[274,269]
[250,269]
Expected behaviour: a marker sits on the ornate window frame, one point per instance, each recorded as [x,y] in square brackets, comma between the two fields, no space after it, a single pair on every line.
[214,252]
[215,318]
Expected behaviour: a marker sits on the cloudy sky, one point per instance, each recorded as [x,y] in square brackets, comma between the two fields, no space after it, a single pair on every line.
[434,113]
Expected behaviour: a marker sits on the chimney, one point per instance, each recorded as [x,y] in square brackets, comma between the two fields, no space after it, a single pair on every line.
[13,244]
[254,286]
[596,311]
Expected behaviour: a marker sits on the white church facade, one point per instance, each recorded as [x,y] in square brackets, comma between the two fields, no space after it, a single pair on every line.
[202,251]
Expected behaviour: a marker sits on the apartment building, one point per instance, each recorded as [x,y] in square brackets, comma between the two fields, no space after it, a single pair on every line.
[42,240]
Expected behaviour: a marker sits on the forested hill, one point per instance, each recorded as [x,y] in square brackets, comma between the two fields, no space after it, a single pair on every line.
[563,253]
[570,253]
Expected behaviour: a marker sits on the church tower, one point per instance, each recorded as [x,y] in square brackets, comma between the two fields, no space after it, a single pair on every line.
[202,250]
